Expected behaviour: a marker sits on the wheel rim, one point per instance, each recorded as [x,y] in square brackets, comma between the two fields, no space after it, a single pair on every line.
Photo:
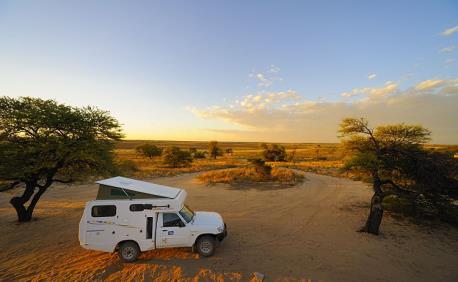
[206,247]
[128,252]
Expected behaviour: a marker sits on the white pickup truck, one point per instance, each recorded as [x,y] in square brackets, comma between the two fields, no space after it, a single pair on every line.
[132,216]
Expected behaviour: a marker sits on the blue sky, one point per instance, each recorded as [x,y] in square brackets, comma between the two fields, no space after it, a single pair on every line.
[161,67]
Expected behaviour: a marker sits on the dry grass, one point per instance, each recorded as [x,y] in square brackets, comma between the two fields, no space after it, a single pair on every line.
[332,168]
[324,158]
[242,151]
[155,168]
[249,175]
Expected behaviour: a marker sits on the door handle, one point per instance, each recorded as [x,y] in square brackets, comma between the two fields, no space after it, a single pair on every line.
[164,230]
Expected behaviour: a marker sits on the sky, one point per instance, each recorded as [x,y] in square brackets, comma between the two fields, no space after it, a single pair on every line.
[270,71]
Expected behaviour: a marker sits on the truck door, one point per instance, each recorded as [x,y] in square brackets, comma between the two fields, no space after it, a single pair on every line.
[171,231]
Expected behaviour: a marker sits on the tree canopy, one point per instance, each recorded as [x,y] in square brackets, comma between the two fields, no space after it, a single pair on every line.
[149,150]
[175,157]
[394,157]
[214,150]
[42,141]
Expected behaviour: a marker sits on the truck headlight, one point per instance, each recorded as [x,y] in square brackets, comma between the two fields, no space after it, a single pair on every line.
[220,229]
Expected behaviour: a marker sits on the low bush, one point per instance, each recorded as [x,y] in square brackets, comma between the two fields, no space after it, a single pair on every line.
[273,152]
[199,155]
[251,175]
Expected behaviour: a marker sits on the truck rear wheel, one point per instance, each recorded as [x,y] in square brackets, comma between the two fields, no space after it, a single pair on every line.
[206,245]
[129,251]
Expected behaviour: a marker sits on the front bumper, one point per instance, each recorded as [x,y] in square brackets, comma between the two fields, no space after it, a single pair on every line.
[222,235]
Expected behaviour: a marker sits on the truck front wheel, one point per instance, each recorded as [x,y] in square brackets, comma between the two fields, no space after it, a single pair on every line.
[206,245]
[128,251]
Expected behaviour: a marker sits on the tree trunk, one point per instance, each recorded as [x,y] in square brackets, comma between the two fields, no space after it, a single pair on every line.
[18,202]
[376,212]
[34,202]
[25,214]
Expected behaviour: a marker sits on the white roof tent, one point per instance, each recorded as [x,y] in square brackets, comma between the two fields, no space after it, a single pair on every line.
[122,188]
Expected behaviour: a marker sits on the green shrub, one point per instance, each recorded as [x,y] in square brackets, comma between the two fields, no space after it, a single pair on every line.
[149,150]
[274,152]
[199,155]
[175,157]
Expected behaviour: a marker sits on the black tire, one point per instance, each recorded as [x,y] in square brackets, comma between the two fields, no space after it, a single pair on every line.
[129,251]
[206,245]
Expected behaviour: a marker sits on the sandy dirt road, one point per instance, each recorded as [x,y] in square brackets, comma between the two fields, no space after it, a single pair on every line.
[304,232]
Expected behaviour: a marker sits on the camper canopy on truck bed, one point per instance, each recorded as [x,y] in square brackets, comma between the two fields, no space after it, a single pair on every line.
[121,188]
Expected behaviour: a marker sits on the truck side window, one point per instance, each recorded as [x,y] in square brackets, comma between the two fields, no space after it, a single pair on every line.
[103,211]
[171,220]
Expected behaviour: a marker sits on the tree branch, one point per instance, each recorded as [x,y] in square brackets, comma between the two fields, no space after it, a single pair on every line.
[398,188]
[11,186]
[64,181]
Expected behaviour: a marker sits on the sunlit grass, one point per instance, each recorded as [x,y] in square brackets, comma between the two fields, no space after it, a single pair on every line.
[154,167]
[249,175]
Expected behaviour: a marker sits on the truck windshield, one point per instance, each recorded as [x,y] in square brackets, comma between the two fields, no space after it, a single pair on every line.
[187,214]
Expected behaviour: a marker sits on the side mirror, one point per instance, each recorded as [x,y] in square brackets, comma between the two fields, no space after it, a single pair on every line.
[181,224]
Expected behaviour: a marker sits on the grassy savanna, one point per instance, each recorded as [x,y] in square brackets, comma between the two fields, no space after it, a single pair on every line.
[321,158]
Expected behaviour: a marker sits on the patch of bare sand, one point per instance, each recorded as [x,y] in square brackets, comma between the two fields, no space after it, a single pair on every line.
[307,231]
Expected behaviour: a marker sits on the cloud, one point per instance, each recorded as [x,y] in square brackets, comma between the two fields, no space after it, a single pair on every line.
[449,61]
[267,78]
[429,84]
[450,31]
[447,49]
[274,69]
[450,88]
[287,116]
[371,76]
[373,92]
[250,103]
[263,81]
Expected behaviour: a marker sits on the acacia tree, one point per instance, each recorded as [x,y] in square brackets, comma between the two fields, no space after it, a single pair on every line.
[148,150]
[389,154]
[175,157]
[42,142]
[214,150]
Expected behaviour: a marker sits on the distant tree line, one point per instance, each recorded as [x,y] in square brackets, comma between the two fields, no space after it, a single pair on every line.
[177,157]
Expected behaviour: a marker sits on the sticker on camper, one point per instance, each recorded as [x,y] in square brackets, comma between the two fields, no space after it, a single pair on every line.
[102,222]
[170,233]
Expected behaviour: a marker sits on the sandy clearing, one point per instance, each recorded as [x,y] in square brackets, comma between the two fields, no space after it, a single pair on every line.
[304,232]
